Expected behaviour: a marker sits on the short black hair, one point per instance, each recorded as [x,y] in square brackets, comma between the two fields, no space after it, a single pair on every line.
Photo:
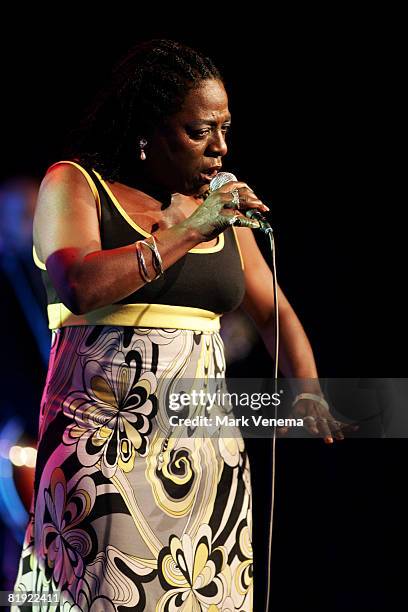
[147,86]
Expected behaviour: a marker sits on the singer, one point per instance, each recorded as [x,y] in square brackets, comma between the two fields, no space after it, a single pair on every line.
[139,260]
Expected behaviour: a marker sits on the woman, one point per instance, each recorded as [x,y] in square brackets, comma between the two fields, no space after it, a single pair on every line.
[138,265]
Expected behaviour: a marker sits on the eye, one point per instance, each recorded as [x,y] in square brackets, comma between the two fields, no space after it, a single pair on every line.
[200,133]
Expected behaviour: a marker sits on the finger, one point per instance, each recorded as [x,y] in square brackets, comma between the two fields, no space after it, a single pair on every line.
[336,429]
[244,222]
[336,424]
[232,200]
[309,423]
[348,427]
[232,185]
[332,423]
[229,219]
[247,199]
[324,429]
[326,417]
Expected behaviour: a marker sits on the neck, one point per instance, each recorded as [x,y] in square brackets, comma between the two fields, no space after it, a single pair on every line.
[142,183]
[151,188]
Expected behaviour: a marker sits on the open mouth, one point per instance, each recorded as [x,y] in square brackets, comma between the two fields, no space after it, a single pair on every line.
[209,174]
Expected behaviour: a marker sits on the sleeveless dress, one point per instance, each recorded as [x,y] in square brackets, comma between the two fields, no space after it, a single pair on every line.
[129,513]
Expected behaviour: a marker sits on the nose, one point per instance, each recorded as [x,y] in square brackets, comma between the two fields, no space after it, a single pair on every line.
[218,145]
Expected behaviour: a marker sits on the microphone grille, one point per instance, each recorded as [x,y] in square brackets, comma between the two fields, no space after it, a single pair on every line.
[220,179]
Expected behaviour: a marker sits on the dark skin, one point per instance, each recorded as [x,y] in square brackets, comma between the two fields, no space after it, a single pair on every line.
[66,226]
[179,154]
[191,141]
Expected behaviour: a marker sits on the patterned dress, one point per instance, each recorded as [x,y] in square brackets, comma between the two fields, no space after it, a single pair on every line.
[129,513]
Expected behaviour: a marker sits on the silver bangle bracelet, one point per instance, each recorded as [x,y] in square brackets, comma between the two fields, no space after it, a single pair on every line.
[311,396]
[141,263]
[156,259]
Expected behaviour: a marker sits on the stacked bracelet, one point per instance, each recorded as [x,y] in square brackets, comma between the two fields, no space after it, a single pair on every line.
[157,261]
[142,264]
[312,396]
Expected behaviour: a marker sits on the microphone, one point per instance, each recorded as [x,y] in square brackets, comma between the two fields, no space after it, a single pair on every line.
[220,179]
[253,213]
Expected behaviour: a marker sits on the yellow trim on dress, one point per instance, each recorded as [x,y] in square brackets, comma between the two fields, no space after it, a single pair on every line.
[138,315]
[218,247]
[238,247]
[37,261]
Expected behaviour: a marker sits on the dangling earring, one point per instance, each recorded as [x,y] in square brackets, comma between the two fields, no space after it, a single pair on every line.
[142,144]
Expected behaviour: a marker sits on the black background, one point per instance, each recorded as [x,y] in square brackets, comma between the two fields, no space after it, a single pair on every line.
[313,100]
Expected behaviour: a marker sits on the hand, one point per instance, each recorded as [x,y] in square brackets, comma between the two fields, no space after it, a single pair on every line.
[317,420]
[219,211]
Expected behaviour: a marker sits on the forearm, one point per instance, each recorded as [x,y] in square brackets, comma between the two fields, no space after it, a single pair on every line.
[296,359]
[107,276]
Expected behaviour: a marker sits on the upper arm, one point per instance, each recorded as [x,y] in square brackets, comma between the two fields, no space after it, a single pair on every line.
[66,226]
[258,300]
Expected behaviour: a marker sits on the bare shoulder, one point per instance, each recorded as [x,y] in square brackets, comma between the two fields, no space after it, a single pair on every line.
[63,182]
[66,212]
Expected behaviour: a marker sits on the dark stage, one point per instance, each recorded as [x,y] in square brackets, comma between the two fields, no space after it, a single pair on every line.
[309,136]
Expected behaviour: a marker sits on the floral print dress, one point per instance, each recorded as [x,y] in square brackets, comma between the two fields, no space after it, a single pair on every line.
[125,514]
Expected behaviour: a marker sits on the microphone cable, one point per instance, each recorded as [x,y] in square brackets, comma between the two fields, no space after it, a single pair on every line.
[220,179]
[269,233]
[267,229]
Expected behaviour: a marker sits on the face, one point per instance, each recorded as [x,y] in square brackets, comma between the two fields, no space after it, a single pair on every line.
[185,154]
